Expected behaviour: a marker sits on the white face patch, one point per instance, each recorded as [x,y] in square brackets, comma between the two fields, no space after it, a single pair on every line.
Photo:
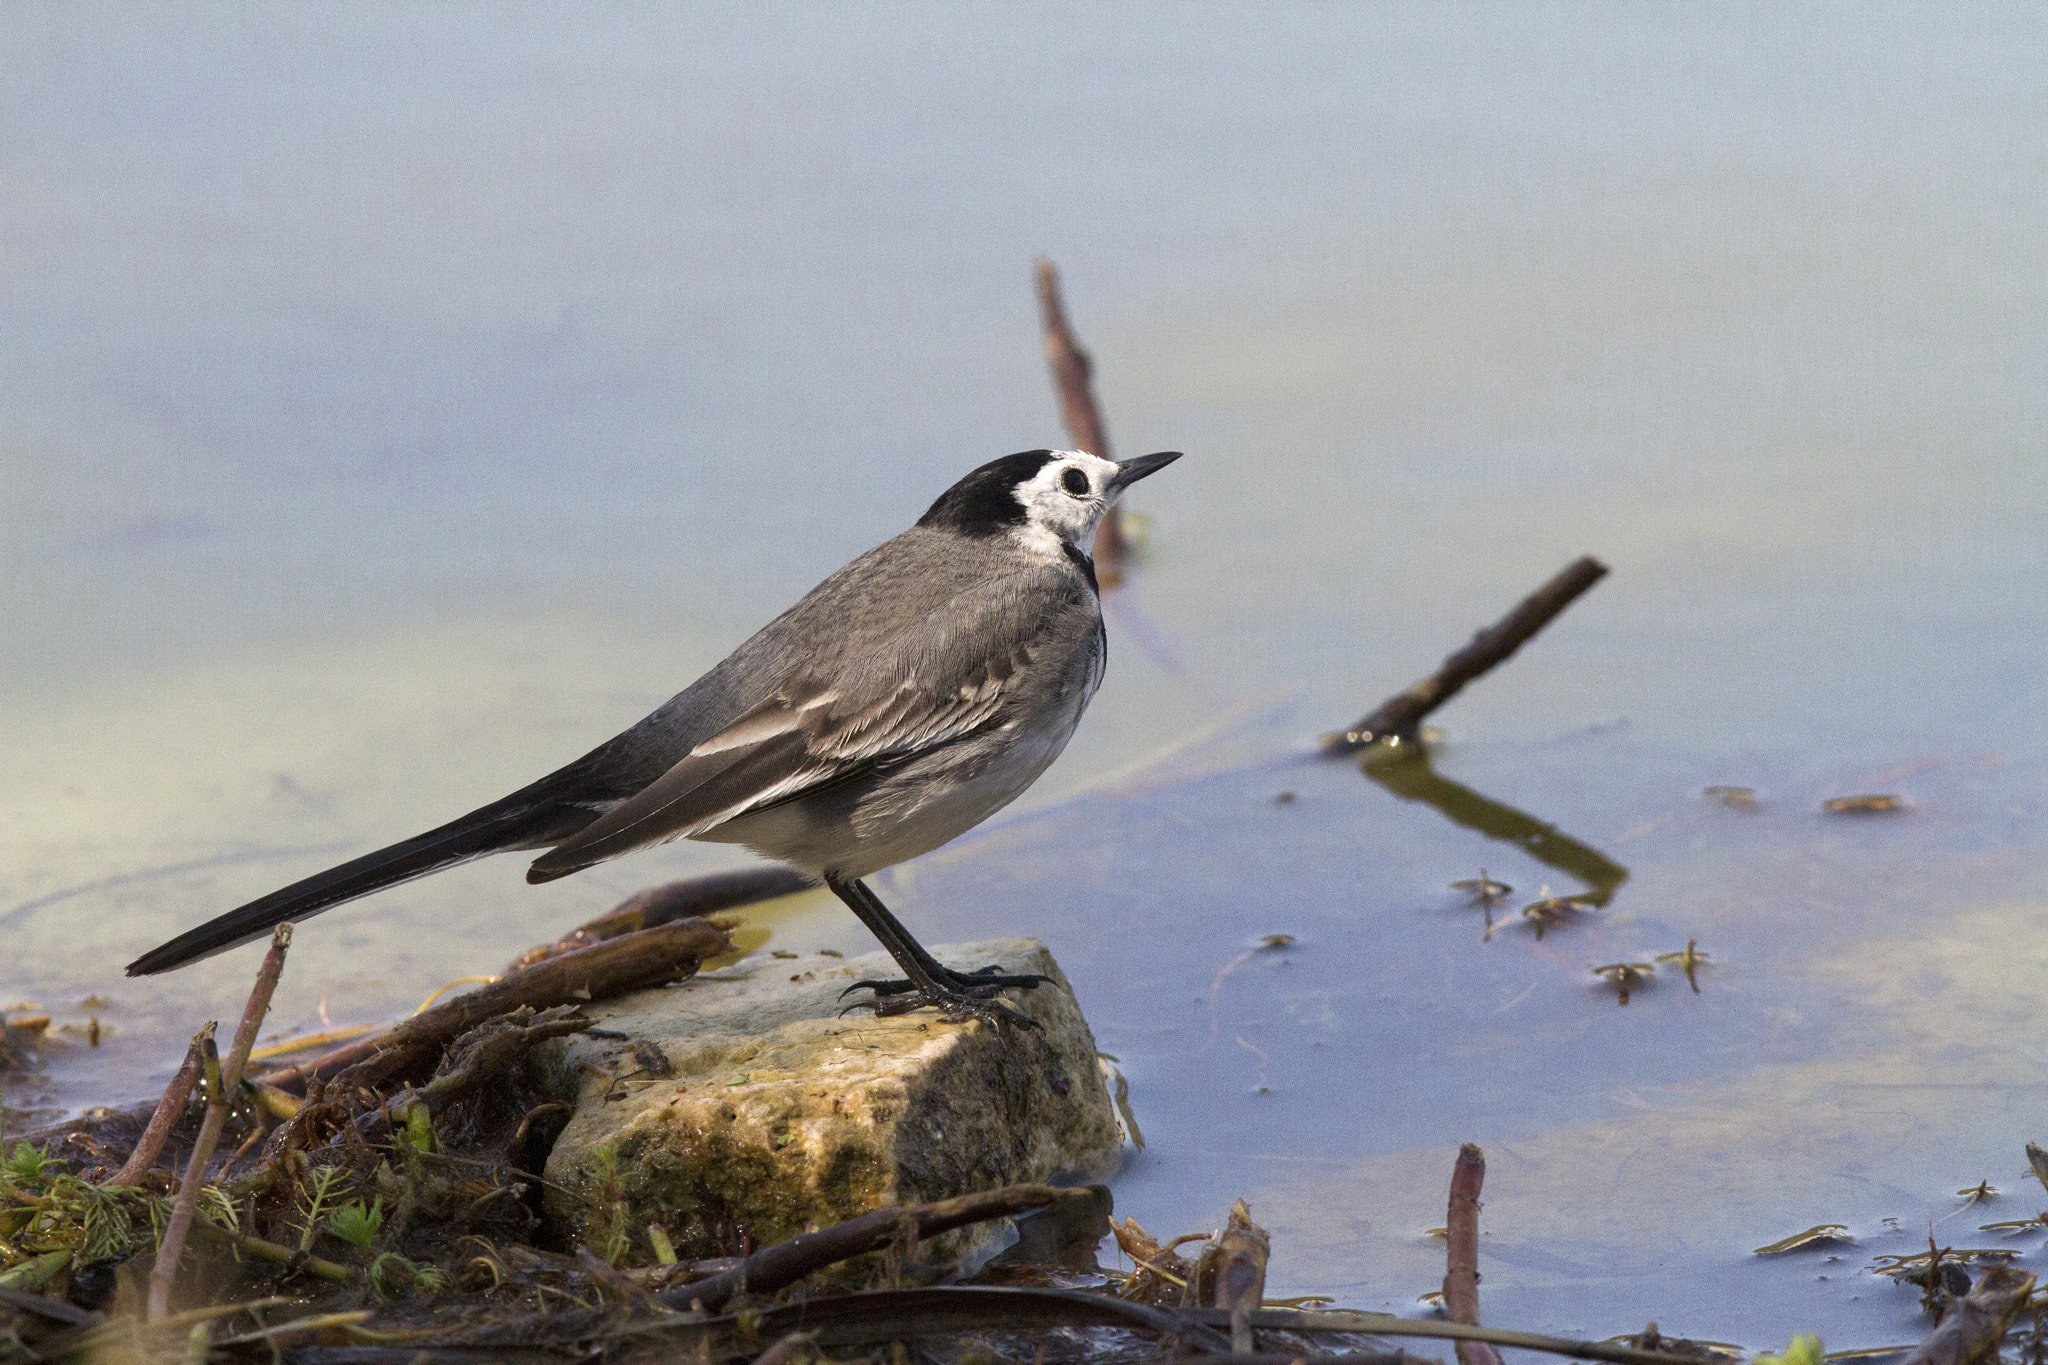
[1064,501]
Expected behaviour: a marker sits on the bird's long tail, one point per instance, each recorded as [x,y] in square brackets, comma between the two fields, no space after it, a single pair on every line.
[518,821]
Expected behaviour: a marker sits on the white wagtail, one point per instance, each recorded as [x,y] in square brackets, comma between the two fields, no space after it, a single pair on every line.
[904,700]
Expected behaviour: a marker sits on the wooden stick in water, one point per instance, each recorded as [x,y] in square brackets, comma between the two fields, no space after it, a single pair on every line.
[1461,1278]
[1400,716]
[222,1081]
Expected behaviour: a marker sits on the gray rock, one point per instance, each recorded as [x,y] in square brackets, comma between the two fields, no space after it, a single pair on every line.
[746,1107]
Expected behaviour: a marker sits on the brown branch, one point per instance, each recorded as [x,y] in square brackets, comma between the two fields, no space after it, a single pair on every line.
[876,1317]
[784,1263]
[1237,1276]
[1400,716]
[901,1314]
[1461,1279]
[475,1059]
[882,1316]
[1386,1325]
[676,900]
[1073,379]
[168,1111]
[222,1083]
[1978,1322]
[606,968]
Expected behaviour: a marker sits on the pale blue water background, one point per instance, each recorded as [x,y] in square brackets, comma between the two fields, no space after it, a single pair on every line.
[396,402]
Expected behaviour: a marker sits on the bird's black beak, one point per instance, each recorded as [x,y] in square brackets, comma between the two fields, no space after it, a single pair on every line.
[1129,472]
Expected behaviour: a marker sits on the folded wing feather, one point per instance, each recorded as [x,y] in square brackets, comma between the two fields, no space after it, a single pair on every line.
[808,734]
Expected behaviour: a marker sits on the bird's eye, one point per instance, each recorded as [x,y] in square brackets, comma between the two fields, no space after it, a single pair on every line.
[1075,482]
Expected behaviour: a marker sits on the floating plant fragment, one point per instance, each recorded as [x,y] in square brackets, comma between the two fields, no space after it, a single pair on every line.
[1820,1234]
[1863,805]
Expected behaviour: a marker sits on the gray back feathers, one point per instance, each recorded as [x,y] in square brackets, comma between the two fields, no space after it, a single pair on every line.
[927,640]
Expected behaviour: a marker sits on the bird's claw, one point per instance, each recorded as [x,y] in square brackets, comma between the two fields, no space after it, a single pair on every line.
[981,979]
[959,1009]
[881,989]
[957,996]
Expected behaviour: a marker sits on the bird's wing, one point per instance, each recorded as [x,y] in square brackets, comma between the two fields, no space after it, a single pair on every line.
[945,677]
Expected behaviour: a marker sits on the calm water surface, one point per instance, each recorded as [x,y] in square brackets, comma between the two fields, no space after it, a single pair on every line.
[395,404]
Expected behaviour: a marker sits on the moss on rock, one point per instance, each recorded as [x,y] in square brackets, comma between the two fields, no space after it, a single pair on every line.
[738,1111]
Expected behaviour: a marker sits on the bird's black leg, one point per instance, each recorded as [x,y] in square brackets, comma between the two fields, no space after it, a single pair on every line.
[956,995]
[878,914]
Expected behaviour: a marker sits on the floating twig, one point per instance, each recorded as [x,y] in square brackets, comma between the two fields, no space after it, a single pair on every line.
[1073,379]
[2012,1227]
[1398,719]
[222,1082]
[1461,1233]
[1863,805]
[1914,1269]
[1820,1234]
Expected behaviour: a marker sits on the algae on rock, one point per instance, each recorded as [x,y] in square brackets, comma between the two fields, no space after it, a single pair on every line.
[735,1111]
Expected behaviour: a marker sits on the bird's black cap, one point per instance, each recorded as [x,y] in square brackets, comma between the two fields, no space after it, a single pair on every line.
[985,501]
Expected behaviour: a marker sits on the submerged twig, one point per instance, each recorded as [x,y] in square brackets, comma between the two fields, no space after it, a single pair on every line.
[785,1263]
[168,1109]
[1400,716]
[222,1082]
[1461,1277]
[1407,772]
[1073,378]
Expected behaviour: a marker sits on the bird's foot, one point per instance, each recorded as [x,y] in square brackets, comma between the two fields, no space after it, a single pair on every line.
[957,996]
[982,981]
